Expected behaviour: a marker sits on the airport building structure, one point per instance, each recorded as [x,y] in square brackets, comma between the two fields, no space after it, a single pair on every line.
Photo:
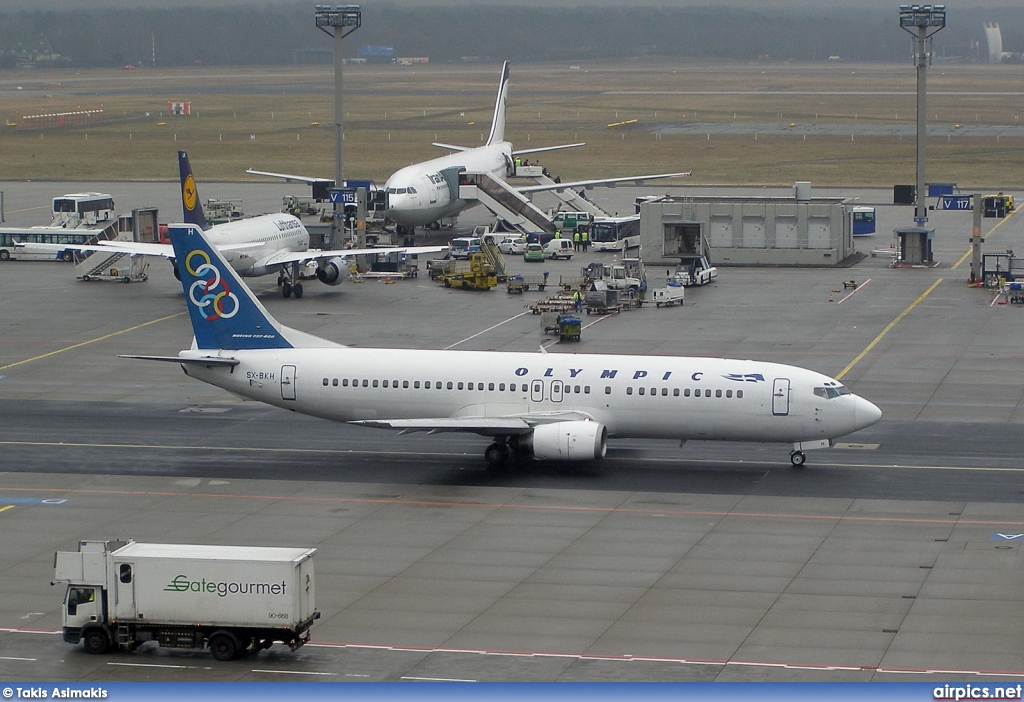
[748,231]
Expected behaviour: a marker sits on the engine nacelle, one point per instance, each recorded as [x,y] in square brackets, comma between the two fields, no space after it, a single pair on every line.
[567,441]
[332,272]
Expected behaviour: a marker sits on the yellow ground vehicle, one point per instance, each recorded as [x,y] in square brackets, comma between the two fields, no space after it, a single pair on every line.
[998,205]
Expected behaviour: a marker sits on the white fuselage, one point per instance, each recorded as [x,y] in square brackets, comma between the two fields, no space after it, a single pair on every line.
[419,194]
[249,244]
[661,397]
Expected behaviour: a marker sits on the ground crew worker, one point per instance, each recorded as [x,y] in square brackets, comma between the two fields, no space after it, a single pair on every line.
[558,233]
[577,301]
[576,241]
[585,240]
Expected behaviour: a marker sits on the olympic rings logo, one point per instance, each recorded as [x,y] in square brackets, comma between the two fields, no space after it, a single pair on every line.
[201,292]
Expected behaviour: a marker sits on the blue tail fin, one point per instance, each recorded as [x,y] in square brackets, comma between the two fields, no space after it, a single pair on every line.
[191,208]
[224,312]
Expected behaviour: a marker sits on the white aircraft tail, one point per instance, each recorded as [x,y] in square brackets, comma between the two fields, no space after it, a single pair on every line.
[498,123]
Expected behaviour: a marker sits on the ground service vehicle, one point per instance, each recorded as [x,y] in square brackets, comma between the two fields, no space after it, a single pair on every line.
[513,246]
[534,252]
[997,205]
[863,221]
[615,233]
[559,248]
[464,246]
[121,594]
[695,271]
[76,209]
[672,294]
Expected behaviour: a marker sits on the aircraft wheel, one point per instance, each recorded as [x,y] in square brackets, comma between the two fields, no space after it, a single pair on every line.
[286,289]
[497,454]
[797,458]
[297,290]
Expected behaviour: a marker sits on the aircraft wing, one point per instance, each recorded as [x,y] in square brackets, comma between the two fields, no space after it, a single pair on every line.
[288,178]
[451,147]
[300,257]
[135,248]
[486,426]
[610,182]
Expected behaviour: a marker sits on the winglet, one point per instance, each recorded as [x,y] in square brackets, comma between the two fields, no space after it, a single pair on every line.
[191,208]
[498,123]
[224,312]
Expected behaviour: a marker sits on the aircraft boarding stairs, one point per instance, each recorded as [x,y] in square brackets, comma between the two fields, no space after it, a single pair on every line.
[573,199]
[504,201]
[111,265]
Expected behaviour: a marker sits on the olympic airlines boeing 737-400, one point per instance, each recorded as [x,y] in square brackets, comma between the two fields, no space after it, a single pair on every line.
[551,406]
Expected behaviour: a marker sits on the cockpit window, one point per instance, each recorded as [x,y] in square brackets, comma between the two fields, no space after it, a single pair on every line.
[831,391]
[412,190]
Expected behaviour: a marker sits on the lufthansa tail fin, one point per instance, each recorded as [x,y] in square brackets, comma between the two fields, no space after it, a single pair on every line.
[191,208]
[224,312]
[498,123]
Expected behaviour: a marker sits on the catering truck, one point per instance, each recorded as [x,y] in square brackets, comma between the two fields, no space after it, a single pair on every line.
[121,594]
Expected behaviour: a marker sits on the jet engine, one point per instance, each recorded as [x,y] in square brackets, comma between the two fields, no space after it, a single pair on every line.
[567,441]
[332,272]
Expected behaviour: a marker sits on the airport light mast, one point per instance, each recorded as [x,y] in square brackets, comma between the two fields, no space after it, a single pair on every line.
[338,22]
[922,21]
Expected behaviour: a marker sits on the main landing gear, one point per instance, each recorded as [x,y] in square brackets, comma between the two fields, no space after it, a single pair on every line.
[797,458]
[498,453]
[288,281]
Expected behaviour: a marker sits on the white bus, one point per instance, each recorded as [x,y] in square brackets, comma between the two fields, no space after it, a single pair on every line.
[612,233]
[75,209]
[42,235]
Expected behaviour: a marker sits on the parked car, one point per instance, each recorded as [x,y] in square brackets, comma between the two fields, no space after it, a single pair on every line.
[513,246]
[534,252]
[559,248]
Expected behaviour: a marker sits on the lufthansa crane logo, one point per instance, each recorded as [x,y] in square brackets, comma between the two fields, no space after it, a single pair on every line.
[188,193]
[210,291]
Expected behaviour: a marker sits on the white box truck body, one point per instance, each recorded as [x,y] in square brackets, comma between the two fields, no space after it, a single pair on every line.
[230,598]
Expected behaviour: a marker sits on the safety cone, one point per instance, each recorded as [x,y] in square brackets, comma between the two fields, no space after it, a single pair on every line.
[387,280]
[830,297]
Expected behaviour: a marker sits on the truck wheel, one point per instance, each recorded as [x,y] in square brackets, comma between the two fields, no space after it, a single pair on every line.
[96,641]
[223,646]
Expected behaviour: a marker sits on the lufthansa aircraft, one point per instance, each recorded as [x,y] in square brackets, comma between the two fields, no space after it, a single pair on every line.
[426,192]
[550,406]
[254,246]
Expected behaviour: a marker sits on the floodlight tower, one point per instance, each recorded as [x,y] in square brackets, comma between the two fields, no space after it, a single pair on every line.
[922,21]
[338,22]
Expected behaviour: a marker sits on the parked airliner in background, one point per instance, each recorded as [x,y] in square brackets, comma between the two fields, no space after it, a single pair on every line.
[426,192]
[551,406]
[254,246]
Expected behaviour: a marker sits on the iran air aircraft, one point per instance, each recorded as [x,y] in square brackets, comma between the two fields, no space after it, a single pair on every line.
[254,246]
[551,406]
[427,192]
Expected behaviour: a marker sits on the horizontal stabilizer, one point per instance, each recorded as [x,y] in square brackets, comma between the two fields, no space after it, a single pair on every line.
[199,361]
[537,150]
[450,147]
[290,178]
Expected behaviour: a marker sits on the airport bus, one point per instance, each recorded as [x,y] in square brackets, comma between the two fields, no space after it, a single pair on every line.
[612,233]
[42,235]
[863,221]
[75,209]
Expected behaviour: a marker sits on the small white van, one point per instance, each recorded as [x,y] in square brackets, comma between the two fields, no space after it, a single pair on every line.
[464,246]
[559,248]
